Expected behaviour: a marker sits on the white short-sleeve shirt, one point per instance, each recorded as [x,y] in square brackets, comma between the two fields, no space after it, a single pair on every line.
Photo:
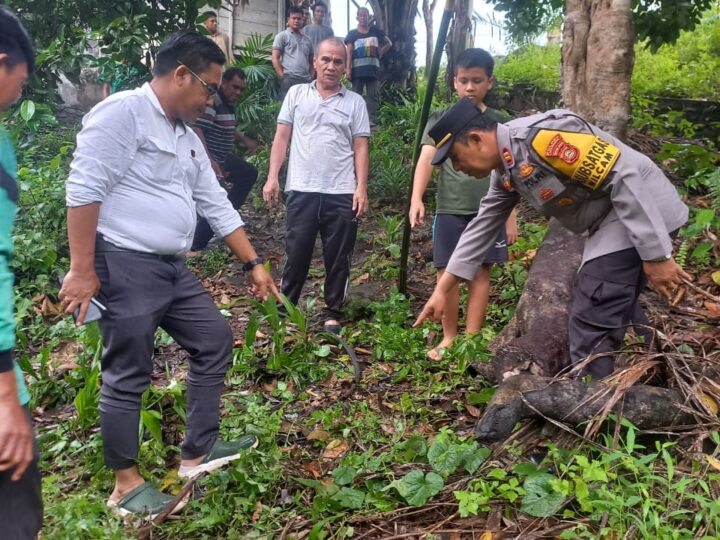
[321,148]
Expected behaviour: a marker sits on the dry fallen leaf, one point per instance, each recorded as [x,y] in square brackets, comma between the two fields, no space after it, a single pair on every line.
[318,434]
[473,411]
[716,277]
[312,467]
[713,309]
[335,449]
[713,462]
[258,510]
[708,401]
[360,279]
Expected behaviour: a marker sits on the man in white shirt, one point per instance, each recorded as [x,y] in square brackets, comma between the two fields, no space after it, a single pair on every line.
[327,128]
[138,178]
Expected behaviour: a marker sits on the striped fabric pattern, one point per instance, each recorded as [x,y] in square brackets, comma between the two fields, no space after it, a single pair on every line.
[218,126]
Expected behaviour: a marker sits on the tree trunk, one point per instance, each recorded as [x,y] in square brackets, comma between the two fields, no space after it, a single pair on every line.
[536,340]
[428,7]
[533,347]
[460,38]
[598,58]
[397,19]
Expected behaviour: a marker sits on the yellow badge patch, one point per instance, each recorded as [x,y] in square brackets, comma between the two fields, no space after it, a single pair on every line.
[526,170]
[565,201]
[585,158]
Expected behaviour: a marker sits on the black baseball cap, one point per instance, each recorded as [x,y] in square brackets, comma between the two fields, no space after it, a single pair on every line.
[450,124]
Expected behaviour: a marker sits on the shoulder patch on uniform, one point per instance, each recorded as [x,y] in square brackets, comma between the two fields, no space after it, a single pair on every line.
[583,157]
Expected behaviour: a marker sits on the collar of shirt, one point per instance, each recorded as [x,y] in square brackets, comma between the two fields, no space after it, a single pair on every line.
[506,155]
[147,90]
[341,92]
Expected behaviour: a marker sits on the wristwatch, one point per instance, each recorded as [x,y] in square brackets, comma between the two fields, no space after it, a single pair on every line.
[660,259]
[252,264]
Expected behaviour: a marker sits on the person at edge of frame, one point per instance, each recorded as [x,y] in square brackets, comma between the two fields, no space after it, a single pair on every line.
[21,507]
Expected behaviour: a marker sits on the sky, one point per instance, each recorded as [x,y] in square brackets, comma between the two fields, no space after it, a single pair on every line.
[486,36]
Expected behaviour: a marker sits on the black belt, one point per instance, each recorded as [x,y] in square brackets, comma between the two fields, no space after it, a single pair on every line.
[103,246]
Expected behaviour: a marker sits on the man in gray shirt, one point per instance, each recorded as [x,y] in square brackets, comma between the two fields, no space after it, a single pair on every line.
[292,53]
[317,31]
[138,178]
[327,128]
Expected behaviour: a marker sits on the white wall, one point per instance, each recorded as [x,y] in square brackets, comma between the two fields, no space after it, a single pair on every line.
[260,16]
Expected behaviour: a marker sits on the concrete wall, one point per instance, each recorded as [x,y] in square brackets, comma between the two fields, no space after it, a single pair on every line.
[259,17]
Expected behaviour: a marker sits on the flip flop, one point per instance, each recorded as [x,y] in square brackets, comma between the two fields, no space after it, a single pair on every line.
[145,499]
[221,453]
[332,327]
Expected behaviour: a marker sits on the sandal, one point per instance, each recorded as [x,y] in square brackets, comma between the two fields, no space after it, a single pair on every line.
[145,499]
[332,327]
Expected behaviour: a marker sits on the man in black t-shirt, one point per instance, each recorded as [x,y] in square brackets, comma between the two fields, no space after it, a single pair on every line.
[365,46]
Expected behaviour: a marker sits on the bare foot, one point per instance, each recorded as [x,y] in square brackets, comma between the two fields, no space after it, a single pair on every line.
[120,491]
[435,354]
[192,462]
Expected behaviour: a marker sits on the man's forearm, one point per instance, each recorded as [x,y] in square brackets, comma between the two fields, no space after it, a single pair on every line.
[277,64]
[362,161]
[240,245]
[82,224]
[277,155]
[8,387]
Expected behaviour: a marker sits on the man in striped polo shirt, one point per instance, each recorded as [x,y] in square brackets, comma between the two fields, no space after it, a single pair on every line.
[216,129]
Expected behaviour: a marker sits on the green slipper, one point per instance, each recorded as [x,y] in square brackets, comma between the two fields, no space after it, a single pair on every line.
[144,499]
[220,455]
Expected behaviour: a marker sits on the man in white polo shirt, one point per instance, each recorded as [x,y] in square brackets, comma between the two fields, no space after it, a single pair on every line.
[327,128]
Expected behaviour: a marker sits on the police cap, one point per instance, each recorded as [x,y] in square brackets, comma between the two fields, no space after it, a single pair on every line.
[454,121]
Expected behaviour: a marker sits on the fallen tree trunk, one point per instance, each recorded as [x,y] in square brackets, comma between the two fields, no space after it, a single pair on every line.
[533,348]
[574,402]
[536,340]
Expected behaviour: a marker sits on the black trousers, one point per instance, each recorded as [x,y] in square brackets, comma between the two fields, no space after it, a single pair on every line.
[605,300]
[21,506]
[143,292]
[242,176]
[333,217]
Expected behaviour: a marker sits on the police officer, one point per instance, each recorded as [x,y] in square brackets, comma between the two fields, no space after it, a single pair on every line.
[593,184]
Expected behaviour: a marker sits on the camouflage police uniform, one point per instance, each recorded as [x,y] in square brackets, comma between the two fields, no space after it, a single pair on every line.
[593,184]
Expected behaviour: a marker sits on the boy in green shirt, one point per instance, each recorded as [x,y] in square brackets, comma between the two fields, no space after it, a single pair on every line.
[458,199]
[20,501]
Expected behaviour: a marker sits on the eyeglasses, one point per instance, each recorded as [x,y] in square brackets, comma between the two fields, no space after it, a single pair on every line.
[208,89]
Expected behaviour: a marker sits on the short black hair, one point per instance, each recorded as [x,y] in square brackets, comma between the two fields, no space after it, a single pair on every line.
[481,122]
[15,41]
[209,14]
[231,73]
[295,9]
[318,4]
[190,48]
[475,58]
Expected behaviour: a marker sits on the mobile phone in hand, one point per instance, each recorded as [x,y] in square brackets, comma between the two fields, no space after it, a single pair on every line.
[95,309]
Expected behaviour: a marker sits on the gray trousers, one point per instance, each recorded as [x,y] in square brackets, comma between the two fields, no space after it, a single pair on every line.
[370,86]
[143,292]
[604,303]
